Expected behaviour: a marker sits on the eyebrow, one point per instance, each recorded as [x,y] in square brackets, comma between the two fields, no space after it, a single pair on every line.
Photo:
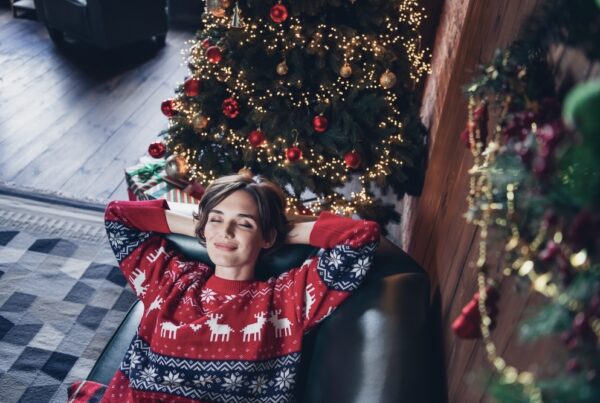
[239,214]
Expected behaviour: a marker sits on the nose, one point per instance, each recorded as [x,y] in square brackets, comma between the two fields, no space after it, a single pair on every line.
[229,230]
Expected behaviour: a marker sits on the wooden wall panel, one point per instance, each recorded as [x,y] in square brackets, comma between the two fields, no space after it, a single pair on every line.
[434,230]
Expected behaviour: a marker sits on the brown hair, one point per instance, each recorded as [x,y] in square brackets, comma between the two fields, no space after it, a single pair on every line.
[269,199]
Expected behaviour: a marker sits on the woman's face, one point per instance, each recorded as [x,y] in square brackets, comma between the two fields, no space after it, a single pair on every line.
[233,236]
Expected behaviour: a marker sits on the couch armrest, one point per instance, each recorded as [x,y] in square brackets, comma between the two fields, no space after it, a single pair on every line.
[117,346]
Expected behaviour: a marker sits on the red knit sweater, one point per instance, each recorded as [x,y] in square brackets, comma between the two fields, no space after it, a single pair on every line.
[204,338]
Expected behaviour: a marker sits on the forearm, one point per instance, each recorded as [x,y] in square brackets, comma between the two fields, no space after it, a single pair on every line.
[181,223]
[300,233]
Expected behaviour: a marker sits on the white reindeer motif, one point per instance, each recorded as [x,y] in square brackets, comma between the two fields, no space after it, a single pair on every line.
[137,278]
[160,251]
[253,329]
[281,324]
[218,330]
[309,298]
[169,330]
[155,305]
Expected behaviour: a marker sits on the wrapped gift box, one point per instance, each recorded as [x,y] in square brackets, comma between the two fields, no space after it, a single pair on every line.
[144,176]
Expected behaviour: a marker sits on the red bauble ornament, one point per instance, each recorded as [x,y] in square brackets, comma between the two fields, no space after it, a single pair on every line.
[168,108]
[213,54]
[194,189]
[191,87]
[278,13]
[230,108]
[256,138]
[157,149]
[293,154]
[207,43]
[320,123]
[352,159]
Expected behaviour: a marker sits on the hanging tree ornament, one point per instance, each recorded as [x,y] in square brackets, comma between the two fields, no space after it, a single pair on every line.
[245,171]
[157,149]
[191,87]
[214,55]
[256,138]
[345,70]
[320,123]
[230,108]
[168,108]
[387,80]
[282,68]
[293,154]
[278,13]
[236,18]
[352,159]
[176,167]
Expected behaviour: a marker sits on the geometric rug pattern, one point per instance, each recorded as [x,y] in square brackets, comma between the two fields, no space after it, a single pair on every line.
[61,299]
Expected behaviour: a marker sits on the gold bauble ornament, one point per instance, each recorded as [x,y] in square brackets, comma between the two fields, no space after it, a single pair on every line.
[200,122]
[346,71]
[245,171]
[176,167]
[282,68]
[387,80]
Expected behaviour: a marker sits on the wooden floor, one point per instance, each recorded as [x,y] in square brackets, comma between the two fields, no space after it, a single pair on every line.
[71,120]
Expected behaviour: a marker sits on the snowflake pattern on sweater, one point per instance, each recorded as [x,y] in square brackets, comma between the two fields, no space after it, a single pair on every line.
[204,338]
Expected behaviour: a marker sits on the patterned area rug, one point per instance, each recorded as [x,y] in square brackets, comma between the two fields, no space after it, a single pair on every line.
[61,296]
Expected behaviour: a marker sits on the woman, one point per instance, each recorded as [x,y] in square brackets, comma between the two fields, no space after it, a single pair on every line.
[218,334]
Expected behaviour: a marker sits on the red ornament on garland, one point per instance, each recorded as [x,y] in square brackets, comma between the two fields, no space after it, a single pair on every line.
[320,123]
[256,138]
[352,159]
[278,13]
[191,87]
[213,54]
[157,149]
[230,108]
[207,43]
[168,108]
[293,154]
[467,324]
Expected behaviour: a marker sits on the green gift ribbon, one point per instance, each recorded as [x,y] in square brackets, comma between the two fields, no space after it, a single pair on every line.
[148,171]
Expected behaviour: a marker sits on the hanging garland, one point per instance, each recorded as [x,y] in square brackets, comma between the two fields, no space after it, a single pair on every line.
[535,187]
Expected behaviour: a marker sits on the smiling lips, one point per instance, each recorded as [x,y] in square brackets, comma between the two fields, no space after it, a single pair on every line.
[225,246]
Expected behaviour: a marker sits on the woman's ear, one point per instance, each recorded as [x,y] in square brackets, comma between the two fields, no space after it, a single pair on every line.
[271,239]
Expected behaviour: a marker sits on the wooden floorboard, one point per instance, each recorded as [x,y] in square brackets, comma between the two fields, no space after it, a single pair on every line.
[72,119]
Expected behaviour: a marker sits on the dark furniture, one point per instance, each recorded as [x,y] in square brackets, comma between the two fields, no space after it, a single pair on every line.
[105,23]
[376,347]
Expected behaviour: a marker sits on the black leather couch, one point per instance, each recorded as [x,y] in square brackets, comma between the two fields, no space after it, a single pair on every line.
[376,347]
[105,23]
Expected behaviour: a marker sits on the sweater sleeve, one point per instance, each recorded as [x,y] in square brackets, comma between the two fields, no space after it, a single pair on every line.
[323,282]
[144,256]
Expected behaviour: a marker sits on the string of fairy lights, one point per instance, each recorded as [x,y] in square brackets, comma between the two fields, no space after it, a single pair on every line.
[281,39]
[520,259]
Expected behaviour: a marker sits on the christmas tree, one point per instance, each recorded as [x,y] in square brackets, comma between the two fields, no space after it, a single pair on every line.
[313,94]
